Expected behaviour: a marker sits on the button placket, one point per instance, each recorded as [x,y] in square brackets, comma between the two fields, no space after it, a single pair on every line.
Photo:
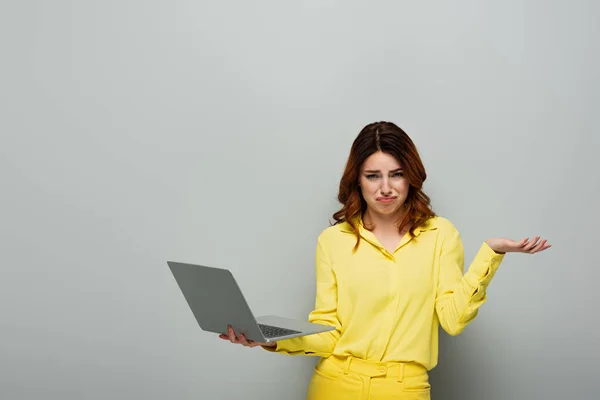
[392,311]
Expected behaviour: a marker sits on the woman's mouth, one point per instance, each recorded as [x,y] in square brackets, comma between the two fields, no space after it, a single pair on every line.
[385,200]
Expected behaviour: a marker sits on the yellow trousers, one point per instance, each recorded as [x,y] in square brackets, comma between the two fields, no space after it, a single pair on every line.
[337,378]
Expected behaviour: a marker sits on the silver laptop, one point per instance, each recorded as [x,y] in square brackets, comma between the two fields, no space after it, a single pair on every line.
[216,301]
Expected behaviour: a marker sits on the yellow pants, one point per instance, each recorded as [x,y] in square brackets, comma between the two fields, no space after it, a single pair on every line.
[336,378]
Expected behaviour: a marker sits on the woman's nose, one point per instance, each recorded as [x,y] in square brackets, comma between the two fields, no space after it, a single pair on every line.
[385,188]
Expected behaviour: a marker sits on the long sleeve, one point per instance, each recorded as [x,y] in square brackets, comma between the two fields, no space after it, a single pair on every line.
[325,312]
[459,296]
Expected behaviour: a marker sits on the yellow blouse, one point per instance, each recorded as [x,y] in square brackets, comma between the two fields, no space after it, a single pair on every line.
[388,306]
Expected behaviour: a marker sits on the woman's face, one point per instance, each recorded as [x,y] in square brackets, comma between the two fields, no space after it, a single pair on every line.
[383,184]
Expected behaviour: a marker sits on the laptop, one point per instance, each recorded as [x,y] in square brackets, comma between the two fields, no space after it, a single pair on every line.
[216,301]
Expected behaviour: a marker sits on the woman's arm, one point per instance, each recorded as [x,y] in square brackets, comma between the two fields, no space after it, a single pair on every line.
[325,312]
[459,296]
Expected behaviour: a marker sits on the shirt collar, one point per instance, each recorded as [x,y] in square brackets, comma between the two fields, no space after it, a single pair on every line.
[430,224]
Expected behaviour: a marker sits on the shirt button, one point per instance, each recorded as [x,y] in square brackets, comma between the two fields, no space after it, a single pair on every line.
[382,369]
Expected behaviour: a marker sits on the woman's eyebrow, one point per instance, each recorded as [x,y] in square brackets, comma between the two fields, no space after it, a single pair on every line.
[376,170]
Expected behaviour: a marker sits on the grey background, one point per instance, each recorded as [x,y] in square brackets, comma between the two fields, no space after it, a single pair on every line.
[133,132]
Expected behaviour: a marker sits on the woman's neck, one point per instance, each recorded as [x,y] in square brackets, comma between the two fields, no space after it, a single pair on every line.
[382,223]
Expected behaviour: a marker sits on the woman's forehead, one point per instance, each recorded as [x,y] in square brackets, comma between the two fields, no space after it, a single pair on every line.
[381,161]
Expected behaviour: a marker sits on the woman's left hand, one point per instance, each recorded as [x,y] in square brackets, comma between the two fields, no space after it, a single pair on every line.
[504,245]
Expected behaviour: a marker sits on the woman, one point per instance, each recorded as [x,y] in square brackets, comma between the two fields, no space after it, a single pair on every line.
[388,273]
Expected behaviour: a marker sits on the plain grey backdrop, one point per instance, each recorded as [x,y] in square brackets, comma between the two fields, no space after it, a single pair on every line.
[135,132]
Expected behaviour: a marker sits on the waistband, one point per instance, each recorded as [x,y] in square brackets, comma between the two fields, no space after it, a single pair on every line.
[372,369]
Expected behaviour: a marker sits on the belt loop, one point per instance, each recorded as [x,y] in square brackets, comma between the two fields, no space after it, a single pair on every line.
[347,364]
[401,373]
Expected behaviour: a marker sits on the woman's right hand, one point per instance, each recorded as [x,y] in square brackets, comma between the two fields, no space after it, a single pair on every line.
[241,339]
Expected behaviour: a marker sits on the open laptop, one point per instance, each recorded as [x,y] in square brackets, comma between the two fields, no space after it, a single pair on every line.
[216,301]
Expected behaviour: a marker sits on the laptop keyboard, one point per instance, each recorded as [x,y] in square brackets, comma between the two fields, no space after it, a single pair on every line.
[273,331]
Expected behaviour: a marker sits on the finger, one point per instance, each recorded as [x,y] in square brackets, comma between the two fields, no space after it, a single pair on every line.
[232,337]
[531,244]
[523,242]
[534,241]
[544,247]
[243,340]
[537,247]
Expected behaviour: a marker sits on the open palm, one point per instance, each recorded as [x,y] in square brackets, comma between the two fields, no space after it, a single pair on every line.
[505,245]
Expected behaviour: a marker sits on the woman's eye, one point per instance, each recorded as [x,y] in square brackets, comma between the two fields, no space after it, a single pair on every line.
[371,176]
[398,174]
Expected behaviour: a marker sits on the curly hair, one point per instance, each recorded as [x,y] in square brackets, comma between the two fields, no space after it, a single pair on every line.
[391,139]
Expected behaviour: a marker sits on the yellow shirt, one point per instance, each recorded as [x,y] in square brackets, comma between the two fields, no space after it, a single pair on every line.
[389,306]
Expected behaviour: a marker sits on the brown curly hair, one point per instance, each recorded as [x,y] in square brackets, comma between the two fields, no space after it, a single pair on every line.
[391,139]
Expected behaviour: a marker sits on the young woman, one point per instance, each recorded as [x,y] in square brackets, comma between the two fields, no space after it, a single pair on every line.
[389,272]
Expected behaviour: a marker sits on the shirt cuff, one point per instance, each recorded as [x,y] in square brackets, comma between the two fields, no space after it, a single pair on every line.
[289,346]
[484,267]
